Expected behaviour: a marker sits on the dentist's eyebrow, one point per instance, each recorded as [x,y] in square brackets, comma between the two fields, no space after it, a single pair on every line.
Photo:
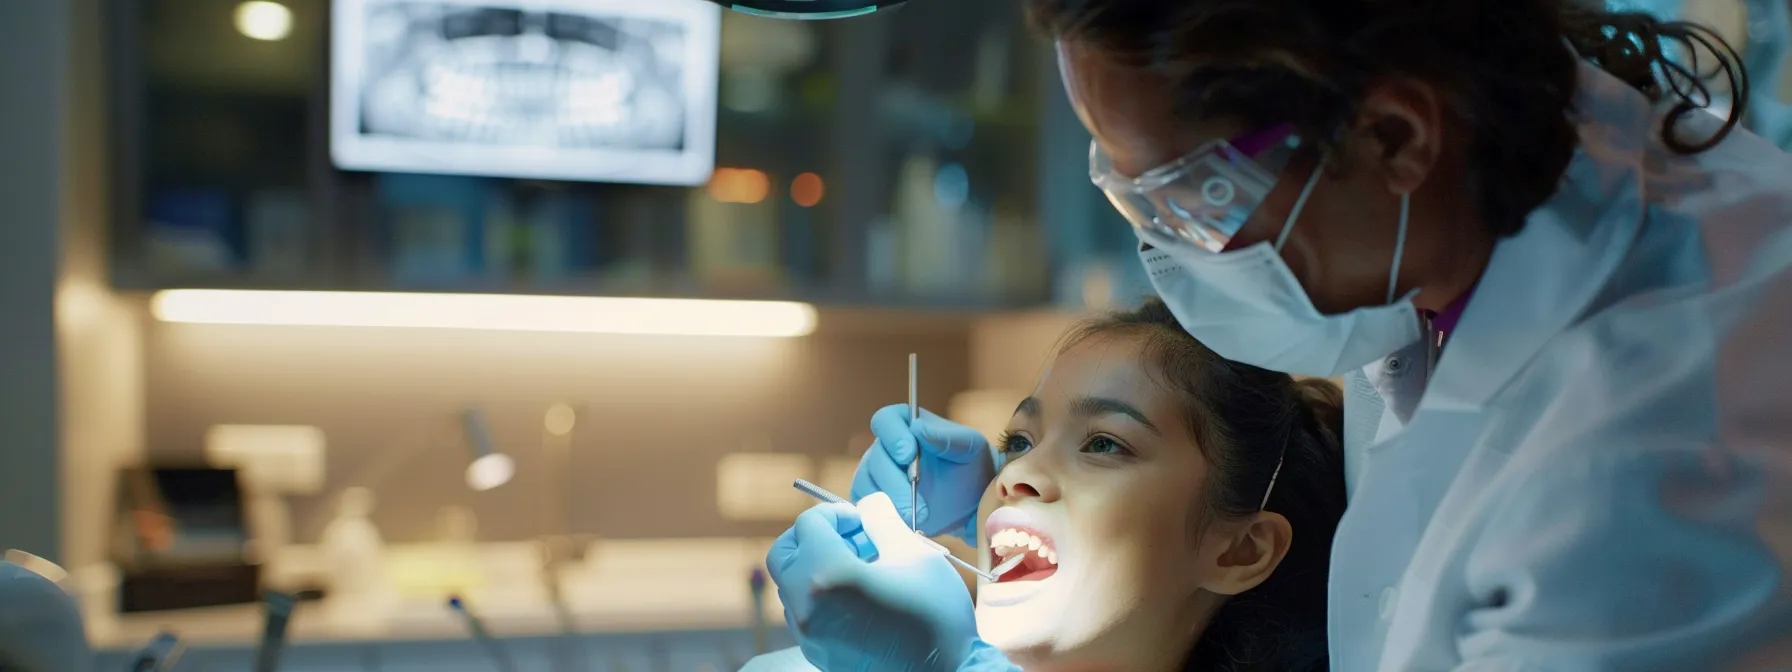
[1090,407]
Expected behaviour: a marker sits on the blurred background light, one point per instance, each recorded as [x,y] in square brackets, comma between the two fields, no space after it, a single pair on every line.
[499,312]
[263,20]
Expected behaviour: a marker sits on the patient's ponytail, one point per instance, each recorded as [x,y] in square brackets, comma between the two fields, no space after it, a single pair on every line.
[1325,401]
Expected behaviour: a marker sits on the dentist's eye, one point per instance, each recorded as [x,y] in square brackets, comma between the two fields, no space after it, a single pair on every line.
[1013,444]
[1105,445]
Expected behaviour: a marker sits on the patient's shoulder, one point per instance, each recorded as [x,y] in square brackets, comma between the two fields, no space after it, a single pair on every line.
[787,660]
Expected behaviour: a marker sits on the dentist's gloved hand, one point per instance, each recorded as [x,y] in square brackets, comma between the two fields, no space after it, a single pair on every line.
[905,610]
[956,466]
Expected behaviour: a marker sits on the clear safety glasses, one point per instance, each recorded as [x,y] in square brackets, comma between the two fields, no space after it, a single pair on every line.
[1206,196]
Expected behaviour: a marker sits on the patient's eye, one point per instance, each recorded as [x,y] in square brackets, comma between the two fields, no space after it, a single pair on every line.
[1013,444]
[1104,445]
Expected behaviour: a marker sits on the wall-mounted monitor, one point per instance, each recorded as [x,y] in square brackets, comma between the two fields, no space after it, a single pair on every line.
[583,90]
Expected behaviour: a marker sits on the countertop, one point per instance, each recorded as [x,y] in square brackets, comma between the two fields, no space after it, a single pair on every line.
[623,586]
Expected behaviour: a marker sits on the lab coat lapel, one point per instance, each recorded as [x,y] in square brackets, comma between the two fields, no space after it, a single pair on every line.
[1535,286]
[1541,280]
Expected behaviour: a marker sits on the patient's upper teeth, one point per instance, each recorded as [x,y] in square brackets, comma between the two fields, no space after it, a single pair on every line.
[1009,542]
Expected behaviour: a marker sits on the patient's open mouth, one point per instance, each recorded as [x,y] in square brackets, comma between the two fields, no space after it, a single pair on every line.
[1040,557]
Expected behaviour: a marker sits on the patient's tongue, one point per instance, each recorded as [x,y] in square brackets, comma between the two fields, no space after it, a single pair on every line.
[1032,568]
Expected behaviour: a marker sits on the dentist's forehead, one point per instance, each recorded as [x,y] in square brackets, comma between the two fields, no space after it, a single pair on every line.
[1131,112]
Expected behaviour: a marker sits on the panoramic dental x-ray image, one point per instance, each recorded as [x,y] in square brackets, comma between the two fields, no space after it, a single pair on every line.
[506,76]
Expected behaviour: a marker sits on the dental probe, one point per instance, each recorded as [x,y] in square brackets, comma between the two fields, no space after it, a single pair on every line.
[817,492]
[273,631]
[914,465]
[499,655]
[161,653]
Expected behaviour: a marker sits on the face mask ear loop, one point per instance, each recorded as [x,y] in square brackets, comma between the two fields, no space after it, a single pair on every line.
[1299,204]
[1399,245]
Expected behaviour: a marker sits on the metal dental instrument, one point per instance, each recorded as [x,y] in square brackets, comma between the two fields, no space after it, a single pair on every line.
[756,583]
[160,654]
[914,465]
[273,633]
[817,492]
[499,655]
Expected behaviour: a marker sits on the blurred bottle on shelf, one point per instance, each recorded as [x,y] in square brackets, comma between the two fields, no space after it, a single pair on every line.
[943,231]
[457,533]
[360,594]
[924,227]
[1015,264]
[437,227]
[883,270]
[189,231]
[560,244]
[428,245]
[279,234]
[733,243]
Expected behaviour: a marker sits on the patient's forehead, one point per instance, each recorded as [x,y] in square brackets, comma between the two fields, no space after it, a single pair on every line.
[1110,365]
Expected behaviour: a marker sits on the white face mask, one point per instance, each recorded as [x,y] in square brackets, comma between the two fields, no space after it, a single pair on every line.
[1247,305]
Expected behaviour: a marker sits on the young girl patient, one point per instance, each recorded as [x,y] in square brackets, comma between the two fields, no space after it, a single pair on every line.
[1159,494]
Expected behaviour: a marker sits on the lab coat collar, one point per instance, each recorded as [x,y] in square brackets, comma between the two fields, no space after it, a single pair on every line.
[1540,280]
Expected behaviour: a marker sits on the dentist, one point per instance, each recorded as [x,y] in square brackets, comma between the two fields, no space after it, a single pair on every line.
[1561,288]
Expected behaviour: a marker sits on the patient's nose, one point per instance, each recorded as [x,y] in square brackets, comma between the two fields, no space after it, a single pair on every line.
[1025,479]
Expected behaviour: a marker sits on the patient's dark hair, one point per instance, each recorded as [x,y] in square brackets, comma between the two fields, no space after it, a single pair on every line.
[1247,420]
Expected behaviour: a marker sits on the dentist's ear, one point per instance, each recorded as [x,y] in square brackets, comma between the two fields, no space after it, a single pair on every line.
[1251,554]
[1400,129]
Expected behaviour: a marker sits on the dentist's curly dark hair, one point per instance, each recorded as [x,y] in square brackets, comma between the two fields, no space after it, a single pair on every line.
[1250,421]
[1500,67]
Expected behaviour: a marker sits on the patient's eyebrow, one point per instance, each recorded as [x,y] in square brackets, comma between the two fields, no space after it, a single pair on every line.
[1090,407]
[1028,407]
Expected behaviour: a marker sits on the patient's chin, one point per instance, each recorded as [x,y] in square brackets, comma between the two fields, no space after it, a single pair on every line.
[1031,658]
[1016,630]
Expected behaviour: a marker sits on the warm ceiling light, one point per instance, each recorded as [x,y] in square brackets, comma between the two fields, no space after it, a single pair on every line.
[739,185]
[807,189]
[499,312]
[262,20]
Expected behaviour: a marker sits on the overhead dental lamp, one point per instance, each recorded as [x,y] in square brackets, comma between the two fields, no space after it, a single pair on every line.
[811,10]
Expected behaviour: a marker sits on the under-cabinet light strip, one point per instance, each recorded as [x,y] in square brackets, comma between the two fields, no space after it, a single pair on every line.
[496,312]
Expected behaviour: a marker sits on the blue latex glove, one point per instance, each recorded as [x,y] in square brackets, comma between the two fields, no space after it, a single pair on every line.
[905,610]
[956,466]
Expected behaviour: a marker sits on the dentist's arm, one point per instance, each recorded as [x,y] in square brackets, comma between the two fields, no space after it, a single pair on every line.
[1652,555]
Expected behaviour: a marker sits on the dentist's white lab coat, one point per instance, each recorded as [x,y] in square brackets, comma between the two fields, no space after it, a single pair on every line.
[1598,474]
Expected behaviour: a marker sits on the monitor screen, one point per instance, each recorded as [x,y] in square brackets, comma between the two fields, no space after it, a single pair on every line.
[585,90]
[183,514]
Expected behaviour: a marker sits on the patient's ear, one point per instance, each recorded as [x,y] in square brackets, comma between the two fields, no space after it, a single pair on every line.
[1252,554]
